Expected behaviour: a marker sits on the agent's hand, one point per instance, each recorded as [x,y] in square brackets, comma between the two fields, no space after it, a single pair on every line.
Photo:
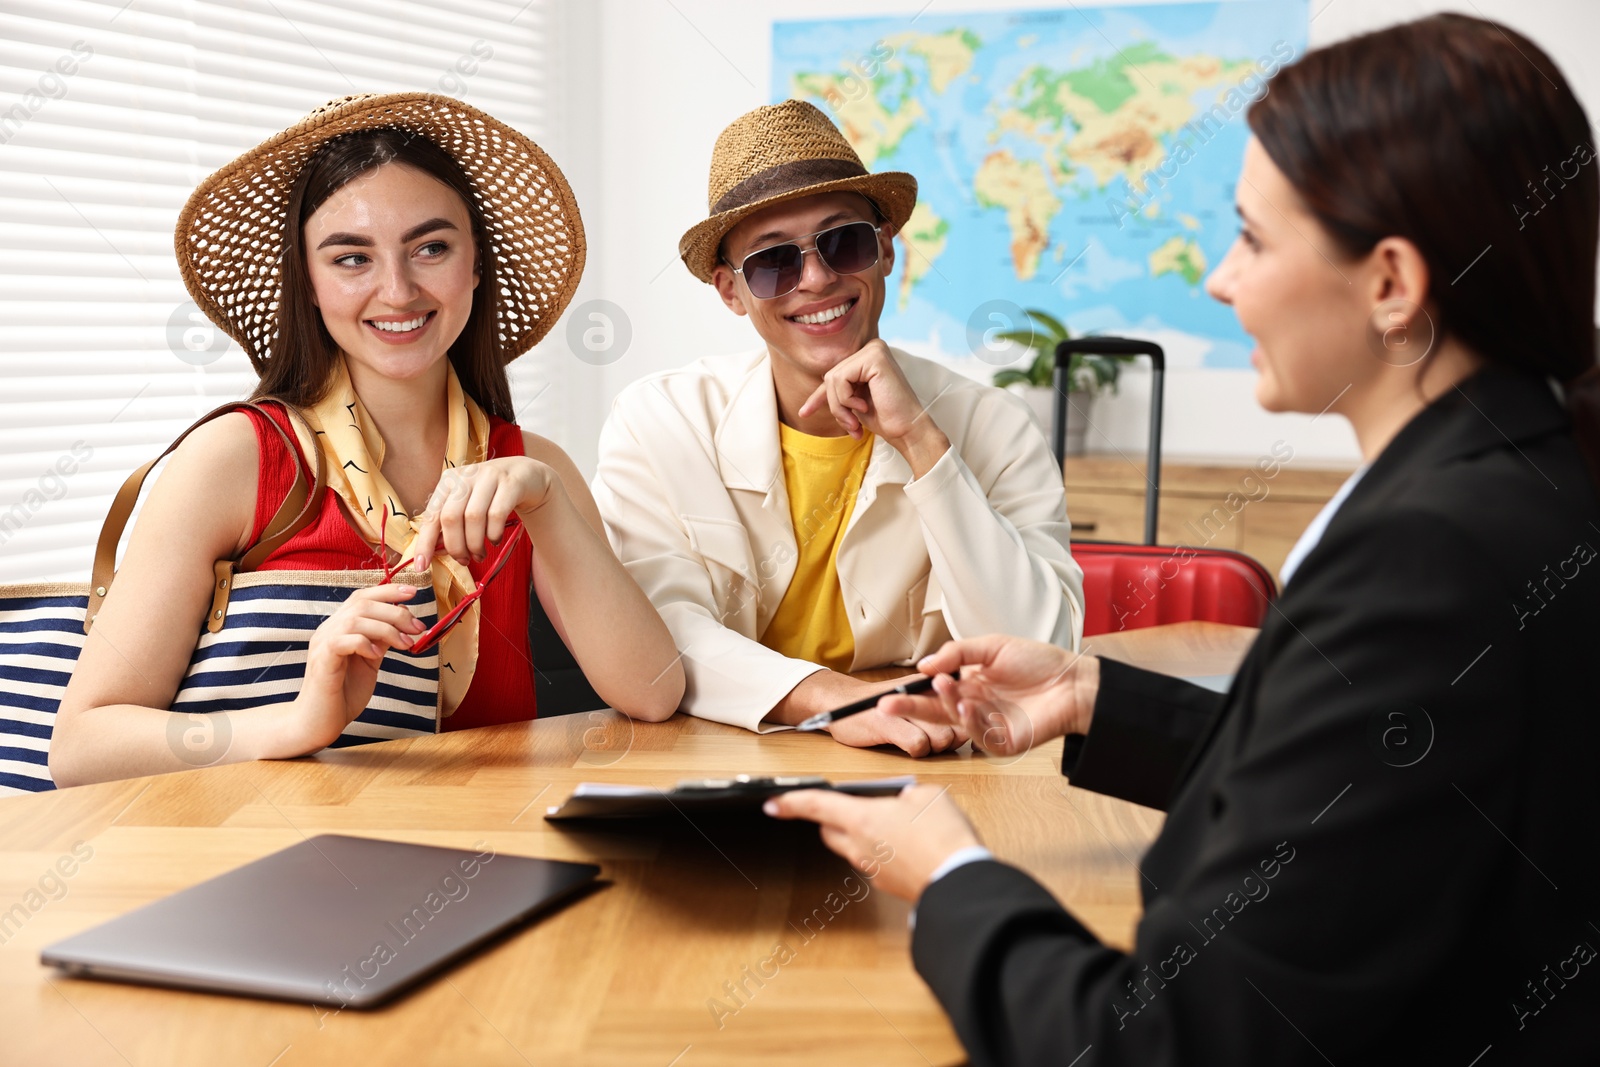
[342,663]
[918,830]
[1008,693]
[471,505]
[869,390]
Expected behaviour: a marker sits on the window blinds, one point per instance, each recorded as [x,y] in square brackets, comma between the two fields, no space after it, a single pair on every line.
[110,113]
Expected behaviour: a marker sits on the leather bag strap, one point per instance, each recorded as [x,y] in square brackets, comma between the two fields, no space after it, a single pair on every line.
[293,515]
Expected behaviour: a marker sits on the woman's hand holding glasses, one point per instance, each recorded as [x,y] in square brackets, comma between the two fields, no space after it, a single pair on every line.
[474,510]
[343,660]
[471,508]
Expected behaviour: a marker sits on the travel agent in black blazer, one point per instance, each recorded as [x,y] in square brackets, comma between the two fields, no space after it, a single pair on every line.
[1381,843]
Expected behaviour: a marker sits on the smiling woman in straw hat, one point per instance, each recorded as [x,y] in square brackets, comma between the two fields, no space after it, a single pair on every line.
[380,263]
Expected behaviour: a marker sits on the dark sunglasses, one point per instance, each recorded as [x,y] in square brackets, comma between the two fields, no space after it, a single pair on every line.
[775,271]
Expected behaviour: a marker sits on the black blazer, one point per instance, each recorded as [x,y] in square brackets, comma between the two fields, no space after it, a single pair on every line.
[1382,843]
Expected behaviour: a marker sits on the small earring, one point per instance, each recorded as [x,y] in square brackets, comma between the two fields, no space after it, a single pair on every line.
[1395,332]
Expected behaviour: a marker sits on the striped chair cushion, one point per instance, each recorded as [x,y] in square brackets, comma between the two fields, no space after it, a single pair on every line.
[257,658]
[41,634]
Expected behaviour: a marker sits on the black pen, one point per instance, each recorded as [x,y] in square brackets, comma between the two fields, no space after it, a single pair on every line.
[821,719]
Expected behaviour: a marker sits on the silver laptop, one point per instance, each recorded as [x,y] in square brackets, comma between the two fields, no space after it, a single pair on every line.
[343,921]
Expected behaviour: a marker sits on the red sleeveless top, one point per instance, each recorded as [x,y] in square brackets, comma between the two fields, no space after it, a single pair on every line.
[502,688]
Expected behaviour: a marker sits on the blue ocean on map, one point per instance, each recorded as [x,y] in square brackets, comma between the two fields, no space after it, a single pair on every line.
[1081,161]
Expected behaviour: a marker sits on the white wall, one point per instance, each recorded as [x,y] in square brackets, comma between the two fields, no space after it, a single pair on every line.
[657,81]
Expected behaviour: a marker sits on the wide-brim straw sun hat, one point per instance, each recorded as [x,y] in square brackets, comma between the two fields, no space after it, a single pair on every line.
[778,153]
[229,238]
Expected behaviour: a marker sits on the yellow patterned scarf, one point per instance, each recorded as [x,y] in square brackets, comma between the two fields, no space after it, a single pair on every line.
[354,450]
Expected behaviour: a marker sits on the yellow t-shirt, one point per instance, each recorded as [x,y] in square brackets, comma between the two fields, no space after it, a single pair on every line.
[823,475]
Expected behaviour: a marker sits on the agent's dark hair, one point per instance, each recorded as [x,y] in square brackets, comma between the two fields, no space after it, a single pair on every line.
[304,354]
[1461,136]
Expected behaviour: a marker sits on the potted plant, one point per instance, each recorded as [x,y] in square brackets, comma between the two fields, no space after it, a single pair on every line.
[1087,377]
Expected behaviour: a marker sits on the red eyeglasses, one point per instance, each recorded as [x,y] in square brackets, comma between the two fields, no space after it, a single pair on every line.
[433,634]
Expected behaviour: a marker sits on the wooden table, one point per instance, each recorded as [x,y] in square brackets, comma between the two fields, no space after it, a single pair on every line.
[639,972]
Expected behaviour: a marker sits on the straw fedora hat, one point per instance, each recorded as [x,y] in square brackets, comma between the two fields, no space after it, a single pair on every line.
[229,238]
[778,153]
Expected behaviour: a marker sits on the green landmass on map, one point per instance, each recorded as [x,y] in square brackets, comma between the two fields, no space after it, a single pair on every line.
[1059,133]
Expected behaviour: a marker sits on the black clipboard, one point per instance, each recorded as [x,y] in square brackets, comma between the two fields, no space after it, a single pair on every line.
[742,794]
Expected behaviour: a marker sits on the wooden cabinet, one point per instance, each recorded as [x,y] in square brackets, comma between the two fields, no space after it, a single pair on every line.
[1259,510]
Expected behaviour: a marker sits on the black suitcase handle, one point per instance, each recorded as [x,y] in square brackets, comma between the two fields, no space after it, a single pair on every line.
[1116,346]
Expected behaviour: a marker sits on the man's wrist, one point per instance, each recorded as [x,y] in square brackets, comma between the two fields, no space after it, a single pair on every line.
[923,447]
[818,691]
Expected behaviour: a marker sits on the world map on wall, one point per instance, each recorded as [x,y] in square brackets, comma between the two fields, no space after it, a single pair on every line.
[1080,161]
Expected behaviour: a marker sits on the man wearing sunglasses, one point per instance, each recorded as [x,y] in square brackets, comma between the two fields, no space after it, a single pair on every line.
[825,504]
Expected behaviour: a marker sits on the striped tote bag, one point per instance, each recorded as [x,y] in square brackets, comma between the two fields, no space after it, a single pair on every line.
[252,651]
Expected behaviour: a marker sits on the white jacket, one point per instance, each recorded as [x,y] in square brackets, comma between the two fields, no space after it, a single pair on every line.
[690,483]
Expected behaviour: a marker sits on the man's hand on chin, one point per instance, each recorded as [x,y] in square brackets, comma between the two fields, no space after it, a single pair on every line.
[825,690]
[869,391]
